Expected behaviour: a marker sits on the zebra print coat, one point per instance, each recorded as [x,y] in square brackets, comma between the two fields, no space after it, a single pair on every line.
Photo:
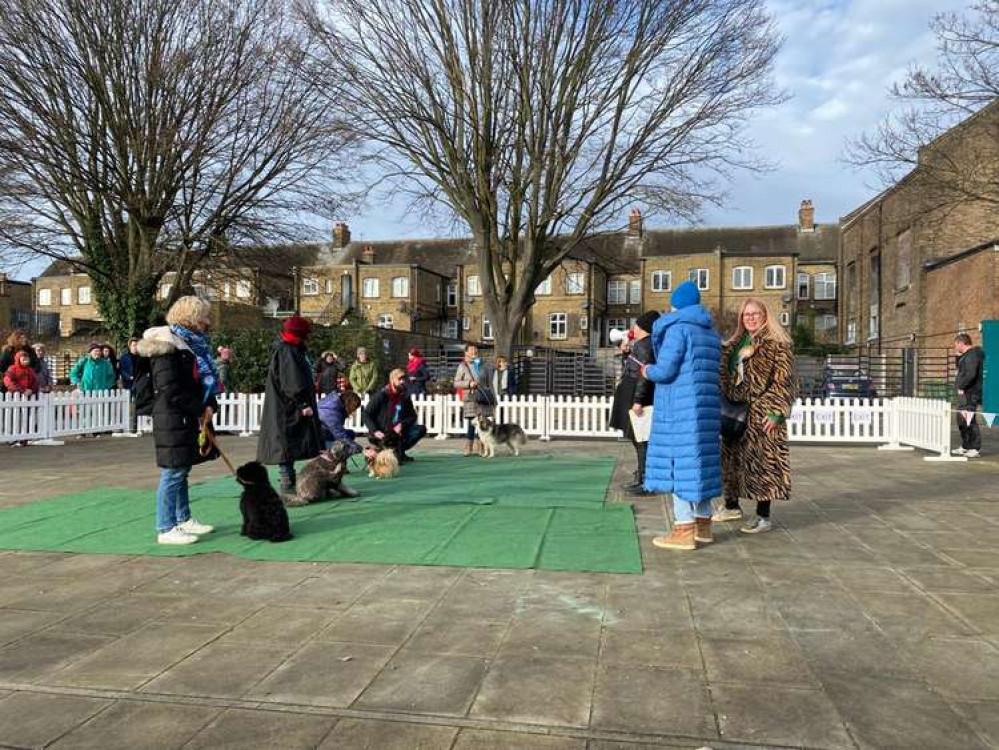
[758,467]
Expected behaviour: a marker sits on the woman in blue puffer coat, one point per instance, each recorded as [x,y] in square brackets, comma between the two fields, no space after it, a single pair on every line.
[684,454]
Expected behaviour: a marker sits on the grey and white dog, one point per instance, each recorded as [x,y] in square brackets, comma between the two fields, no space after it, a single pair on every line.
[322,477]
[492,435]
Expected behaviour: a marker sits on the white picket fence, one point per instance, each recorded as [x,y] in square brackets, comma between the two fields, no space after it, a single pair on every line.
[901,423]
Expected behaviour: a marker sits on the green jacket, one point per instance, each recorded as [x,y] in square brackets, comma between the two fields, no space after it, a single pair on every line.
[93,374]
[363,376]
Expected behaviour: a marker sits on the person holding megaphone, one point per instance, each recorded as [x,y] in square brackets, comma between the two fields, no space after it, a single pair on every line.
[634,394]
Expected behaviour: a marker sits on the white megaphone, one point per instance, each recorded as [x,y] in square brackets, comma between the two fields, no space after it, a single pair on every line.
[616,335]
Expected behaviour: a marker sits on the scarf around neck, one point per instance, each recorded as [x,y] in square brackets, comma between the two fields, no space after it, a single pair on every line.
[414,364]
[202,349]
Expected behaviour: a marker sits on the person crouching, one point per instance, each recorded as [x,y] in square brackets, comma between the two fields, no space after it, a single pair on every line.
[391,410]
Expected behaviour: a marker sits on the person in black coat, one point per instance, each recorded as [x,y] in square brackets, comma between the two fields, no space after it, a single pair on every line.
[182,386]
[634,394]
[391,410]
[330,371]
[289,427]
[970,361]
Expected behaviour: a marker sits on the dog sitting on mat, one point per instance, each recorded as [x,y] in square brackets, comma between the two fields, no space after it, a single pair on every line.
[384,464]
[492,435]
[322,477]
[264,516]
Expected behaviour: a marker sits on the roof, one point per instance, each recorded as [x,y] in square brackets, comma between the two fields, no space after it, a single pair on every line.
[936,263]
[822,244]
[441,255]
[62,267]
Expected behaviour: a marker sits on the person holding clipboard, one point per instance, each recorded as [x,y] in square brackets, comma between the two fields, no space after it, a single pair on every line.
[631,411]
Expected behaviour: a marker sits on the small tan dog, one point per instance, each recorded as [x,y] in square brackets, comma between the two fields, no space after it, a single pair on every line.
[383,465]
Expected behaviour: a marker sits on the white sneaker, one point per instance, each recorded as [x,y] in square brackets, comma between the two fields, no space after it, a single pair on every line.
[959,452]
[757,526]
[175,536]
[727,514]
[973,453]
[191,526]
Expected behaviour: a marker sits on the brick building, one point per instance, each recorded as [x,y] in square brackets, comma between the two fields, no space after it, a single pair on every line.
[15,305]
[918,265]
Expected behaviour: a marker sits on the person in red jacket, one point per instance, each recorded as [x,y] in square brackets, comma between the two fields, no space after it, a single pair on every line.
[21,376]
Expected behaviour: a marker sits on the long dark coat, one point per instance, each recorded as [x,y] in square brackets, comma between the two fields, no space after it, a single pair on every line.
[633,388]
[285,435]
[178,398]
[758,467]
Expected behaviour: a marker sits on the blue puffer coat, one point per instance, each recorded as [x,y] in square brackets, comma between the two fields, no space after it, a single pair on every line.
[684,455]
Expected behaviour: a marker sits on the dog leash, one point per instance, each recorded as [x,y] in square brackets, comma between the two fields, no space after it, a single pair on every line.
[207,441]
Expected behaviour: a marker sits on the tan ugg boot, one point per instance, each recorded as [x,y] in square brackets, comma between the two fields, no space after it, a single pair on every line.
[468,448]
[682,537]
[702,530]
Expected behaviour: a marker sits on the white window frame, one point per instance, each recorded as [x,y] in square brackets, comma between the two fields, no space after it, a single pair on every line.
[851,332]
[370,288]
[696,275]
[635,292]
[83,296]
[386,321]
[584,323]
[657,279]
[544,288]
[466,323]
[575,282]
[874,321]
[165,290]
[617,292]
[487,329]
[472,286]
[45,298]
[742,284]
[785,319]
[828,323]
[310,287]
[400,287]
[452,294]
[804,279]
[826,279]
[328,286]
[783,277]
[451,329]
[244,289]
[66,296]
[558,326]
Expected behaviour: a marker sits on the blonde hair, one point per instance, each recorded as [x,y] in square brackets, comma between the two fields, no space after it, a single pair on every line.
[189,312]
[397,371]
[770,329]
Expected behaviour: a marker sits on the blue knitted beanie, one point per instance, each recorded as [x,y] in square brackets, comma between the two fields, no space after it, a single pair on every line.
[685,295]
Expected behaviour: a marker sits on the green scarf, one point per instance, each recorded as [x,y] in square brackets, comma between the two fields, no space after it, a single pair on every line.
[733,355]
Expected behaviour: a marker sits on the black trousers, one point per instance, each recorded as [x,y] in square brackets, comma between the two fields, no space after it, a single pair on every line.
[971,435]
[641,451]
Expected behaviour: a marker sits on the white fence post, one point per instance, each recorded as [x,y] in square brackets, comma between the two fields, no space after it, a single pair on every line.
[941,426]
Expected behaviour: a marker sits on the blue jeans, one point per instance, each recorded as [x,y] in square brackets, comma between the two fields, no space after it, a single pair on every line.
[685,511]
[411,435]
[470,430]
[172,503]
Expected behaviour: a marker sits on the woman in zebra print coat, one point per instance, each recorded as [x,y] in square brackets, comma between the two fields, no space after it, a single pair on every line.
[757,367]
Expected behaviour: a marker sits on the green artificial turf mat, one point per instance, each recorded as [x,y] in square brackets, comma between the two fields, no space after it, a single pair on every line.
[538,511]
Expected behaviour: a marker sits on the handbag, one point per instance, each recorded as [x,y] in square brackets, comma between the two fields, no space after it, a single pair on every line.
[735,414]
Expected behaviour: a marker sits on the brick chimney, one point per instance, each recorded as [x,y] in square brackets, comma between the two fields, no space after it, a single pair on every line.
[806,217]
[635,223]
[368,255]
[341,235]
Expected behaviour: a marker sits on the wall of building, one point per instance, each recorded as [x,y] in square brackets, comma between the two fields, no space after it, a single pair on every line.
[15,301]
[959,296]
[679,267]
[779,298]
[74,309]
[818,315]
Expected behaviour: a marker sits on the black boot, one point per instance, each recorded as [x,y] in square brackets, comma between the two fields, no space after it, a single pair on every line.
[638,488]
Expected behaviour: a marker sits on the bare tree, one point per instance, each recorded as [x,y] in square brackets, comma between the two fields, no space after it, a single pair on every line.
[538,121]
[930,101]
[142,137]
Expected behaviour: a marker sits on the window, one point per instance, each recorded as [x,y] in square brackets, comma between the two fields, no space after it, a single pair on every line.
[437,291]
[487,330]
[700,277]
[400,286]
[472,286]
[557,326]
[776,277]
[742,277]
[369,288]
[804,281]
[165,290]
[635,292]
[544,288]
[44,297]
[873,324]
[825,324]
[904,262]
[874,294]
[851,332]
[575,282]
[584,323]
[451,329]
[620,324]
[785,319]
[452,295]
[851,287]
[386,321]
[202,292]
[617,292]
[66,296]
[328,286]
[825,286]
[466,324]
[83,295]
[244,289]
[662,281]
[310,287]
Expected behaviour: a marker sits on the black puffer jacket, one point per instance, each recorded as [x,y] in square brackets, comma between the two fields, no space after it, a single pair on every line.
[969,377]
[177,400]
[633,388]
[286,435]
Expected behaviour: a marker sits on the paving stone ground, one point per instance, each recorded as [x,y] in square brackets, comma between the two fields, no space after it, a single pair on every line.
[869,619]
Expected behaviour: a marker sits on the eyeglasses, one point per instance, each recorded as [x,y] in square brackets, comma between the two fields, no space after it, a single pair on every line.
[752,315]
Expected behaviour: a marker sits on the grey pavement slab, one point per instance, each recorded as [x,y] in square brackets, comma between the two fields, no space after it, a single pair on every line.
[537,691]
[651,648]
[773,659]
[240,729]
[219,670]
[425,683]
[128,725]
[478,739]
[553,633]
[44,654]
[443,634]
[37,719]
[359,734]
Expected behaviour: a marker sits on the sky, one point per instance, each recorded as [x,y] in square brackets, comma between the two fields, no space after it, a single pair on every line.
[838,60]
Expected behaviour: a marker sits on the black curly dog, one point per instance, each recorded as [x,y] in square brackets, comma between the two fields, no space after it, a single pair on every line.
[264,515]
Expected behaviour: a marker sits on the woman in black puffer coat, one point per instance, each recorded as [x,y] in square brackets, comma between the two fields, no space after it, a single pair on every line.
[184,383]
